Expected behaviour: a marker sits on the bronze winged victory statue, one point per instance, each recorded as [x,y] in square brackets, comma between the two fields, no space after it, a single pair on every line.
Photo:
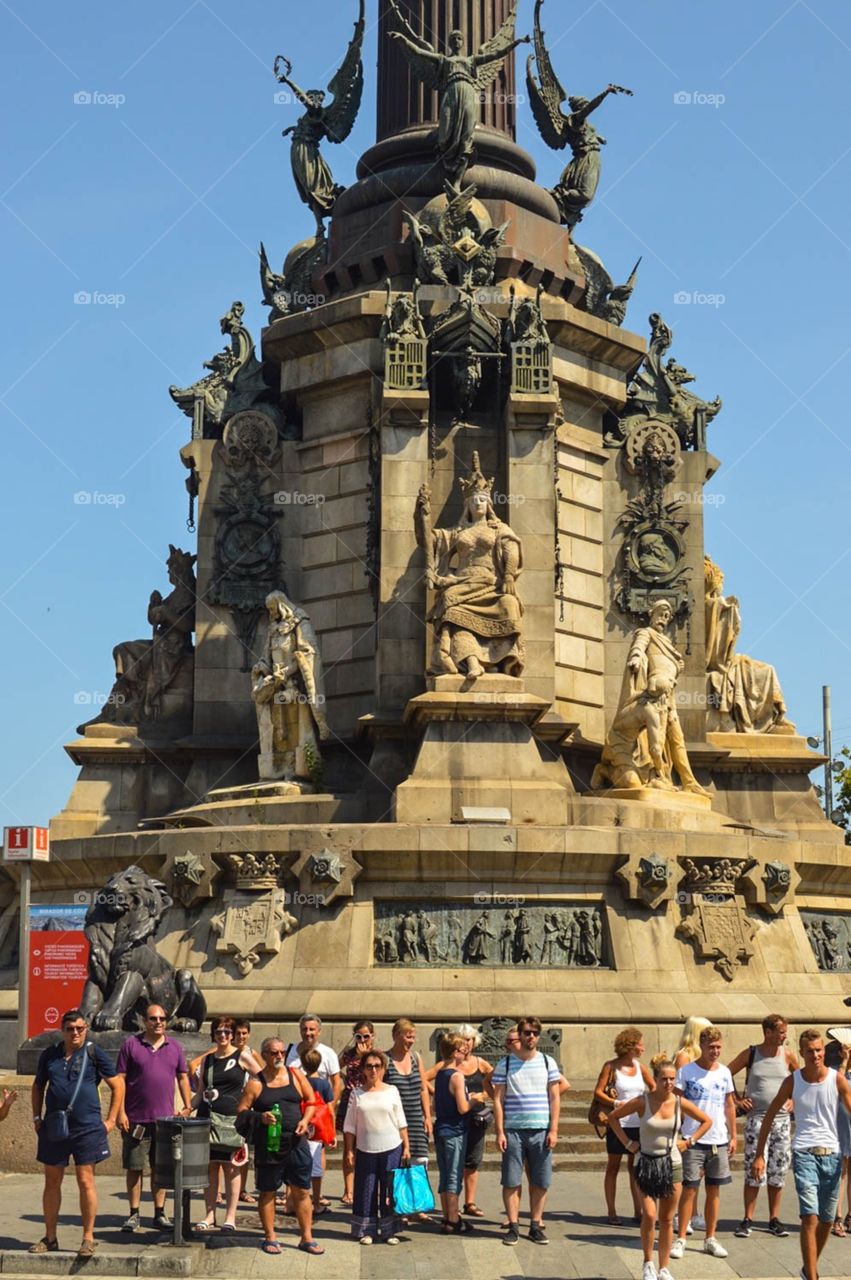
[313,177]
[460,80]
[578,184]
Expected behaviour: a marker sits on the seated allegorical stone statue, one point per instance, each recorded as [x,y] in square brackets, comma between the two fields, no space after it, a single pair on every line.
[744,694]
[289,692]
[146,684]
[477,616]
[645,743]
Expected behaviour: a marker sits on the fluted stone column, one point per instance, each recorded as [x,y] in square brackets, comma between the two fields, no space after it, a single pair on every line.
[403,101]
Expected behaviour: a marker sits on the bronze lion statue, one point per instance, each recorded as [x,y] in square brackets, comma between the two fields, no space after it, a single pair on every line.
[126,973]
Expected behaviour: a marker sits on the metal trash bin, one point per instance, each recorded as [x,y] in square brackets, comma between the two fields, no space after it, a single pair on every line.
[187,1142]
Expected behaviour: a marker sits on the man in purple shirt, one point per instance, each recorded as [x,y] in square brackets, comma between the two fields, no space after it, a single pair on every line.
[150,1064]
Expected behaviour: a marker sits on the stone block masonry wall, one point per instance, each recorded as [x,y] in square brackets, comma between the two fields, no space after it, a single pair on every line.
[580,613]
[325,554]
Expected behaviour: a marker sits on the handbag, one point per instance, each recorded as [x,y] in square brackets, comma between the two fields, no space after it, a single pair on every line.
[598,1112]
[655,1174]
[223,1132]
[322,1125]
[412,1191]
[57,1124]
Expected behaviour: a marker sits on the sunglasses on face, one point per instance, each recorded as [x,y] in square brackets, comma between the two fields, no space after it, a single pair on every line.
[368,1036]
[223,1031]
[156,1018]
[75,1031]
[373,1066]
[530,1033]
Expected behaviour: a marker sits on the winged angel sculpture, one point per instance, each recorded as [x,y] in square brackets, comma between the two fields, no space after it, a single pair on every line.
[578,184]
[313,177]
[460,80]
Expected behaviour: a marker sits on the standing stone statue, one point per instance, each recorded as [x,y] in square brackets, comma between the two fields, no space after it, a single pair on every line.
[477,616]
[313,178]
[744,694]
[460,80]
[578,184]
[645,742]
[289,693]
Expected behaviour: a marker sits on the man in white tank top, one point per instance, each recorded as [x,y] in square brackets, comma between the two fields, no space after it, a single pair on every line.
[816,1091]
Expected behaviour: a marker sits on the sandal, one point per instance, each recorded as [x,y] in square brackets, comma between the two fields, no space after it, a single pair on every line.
[346,1200]
[473,1211]
[271,1246]
[87,1249]
[319,1209]
[838,1228]
[847,1224]
[203,1228]
[44,1246]
[227,1228]
[310,1246]
[247,1198]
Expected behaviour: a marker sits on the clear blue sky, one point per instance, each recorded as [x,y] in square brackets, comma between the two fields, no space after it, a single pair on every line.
[162,196]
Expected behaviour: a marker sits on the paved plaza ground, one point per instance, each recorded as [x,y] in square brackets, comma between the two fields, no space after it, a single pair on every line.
[583,1246]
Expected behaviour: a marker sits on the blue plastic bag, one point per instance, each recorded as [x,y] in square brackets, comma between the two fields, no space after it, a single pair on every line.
[412,1192]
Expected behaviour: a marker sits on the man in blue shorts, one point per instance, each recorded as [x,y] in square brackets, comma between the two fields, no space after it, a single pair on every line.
[57,1074]
[526,1106]
[816,1093]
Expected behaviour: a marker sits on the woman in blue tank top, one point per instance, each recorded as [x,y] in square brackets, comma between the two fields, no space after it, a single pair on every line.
[451,1105]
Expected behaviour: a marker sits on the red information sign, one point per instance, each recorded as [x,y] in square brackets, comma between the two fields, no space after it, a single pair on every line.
[59,960]
[26,844]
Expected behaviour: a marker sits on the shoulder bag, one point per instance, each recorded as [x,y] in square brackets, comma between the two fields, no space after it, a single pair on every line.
[598,1112]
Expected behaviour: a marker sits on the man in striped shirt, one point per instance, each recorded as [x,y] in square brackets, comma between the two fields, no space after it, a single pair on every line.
[527,1091]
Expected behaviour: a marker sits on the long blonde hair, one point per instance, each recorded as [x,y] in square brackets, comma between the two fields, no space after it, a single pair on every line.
[690,1039]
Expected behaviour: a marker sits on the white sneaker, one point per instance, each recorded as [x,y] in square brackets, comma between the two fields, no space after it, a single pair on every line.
[712,1247]
[698,1222]
[649,1272]
[664,1274]
[678,1248]
[690,1228]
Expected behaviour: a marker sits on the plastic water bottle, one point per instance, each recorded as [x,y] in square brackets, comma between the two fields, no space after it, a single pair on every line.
[273,1132]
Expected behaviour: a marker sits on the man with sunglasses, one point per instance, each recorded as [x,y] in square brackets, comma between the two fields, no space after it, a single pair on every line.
[150,1064]
[527,1099]
[69,1073]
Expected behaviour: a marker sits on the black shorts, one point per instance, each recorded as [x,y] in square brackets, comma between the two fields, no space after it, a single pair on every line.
[476,1138]
[294,1170]
[614,1146]
[89,1146]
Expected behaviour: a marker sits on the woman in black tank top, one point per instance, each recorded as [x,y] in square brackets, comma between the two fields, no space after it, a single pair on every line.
[284,1088]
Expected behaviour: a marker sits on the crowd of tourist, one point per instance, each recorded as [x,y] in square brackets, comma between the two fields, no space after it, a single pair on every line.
[283,1105]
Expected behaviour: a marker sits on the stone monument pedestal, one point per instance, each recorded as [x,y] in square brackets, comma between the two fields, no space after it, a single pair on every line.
[478,751]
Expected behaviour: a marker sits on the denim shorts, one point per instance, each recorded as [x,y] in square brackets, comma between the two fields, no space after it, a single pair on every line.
[450,1150]
[817,1183]
[529,1145]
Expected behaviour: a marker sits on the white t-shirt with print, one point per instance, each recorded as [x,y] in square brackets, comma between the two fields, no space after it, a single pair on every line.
[707,1089]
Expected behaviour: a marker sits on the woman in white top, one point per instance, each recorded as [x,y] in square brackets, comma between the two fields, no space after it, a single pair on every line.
[376,1130]
[656,1116]
[623,1078]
